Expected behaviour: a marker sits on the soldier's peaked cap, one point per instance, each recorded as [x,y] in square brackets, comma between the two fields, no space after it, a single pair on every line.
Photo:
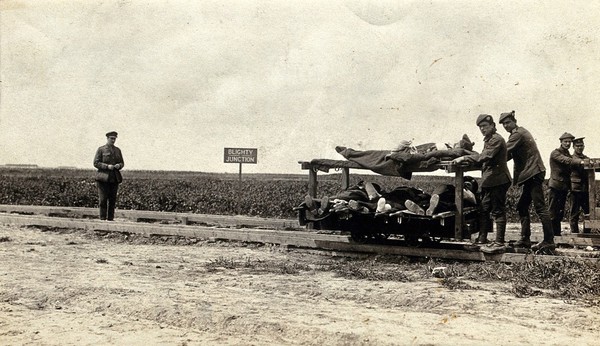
[484,117]
[578,140]
[111,134]
[566,135]
[506,115]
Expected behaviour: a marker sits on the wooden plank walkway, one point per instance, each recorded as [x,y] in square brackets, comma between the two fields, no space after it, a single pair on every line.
[142,215]
[301,239]
[294,238]
[453,254]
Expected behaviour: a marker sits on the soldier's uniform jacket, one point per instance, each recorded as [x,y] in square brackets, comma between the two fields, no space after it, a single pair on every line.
[494,171]
[524,152]
[579,177]
[561,162]
[108,155]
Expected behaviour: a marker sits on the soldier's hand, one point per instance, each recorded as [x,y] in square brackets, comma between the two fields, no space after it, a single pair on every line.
[111,167]
[117,166]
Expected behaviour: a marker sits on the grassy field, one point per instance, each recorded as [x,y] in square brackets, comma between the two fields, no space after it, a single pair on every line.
[264,195]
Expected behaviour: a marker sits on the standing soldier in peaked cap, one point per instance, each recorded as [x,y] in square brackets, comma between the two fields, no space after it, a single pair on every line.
[579,187]
[495,181]
[560,179]
[109,161]
[529,173]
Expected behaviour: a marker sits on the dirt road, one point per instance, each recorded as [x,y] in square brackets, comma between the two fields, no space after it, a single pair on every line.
[76,288]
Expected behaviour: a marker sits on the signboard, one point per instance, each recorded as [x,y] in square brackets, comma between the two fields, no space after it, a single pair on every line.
[241,155]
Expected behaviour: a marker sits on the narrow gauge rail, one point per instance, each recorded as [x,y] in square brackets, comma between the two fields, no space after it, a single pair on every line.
[152,216]
[278,232]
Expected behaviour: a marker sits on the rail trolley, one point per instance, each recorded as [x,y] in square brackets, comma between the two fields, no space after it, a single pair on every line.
[415,229]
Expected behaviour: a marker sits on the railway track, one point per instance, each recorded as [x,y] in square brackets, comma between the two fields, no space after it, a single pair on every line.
[273,231]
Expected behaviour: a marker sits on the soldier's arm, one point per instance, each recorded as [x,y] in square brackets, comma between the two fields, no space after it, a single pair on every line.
[564,159]
[468,158]
[514,141]
[490,150]
[98,160]
[120,161]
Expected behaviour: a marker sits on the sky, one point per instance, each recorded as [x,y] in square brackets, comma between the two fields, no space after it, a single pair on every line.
[182,80]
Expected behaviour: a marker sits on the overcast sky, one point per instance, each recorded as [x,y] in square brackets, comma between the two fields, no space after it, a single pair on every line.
[181,80]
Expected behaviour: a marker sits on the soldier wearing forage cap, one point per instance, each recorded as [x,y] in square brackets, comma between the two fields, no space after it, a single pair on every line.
[561,162]
[109,161]
[528,175]
[495,181]
[579,187]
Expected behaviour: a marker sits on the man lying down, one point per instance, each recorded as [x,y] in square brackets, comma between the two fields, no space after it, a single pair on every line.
[367,197]
[406,158]
[406,152]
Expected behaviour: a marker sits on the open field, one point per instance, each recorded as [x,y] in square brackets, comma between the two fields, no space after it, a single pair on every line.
[66,287]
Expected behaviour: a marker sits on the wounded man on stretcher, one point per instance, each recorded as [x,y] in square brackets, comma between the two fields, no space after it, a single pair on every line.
[366,197]
[404,159]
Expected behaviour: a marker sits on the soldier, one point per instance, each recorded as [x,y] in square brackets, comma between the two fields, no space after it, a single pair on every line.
[560,179]
[529,173]
[495,181]
[579,187]
[109,161]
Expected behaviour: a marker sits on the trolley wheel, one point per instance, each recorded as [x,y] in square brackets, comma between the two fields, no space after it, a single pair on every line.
[360,237]
[412,240]
[381,236]
[421,241]
[434,240]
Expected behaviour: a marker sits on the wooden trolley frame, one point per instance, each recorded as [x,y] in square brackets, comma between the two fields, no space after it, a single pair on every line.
[592,220]
[448,166]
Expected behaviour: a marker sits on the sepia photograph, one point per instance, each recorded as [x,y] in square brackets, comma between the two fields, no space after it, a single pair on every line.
[262,172]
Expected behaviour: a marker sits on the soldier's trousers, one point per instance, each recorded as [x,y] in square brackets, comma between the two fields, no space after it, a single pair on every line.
[580,201]
[556,201]
[493,204]
[532,191]
[107,195]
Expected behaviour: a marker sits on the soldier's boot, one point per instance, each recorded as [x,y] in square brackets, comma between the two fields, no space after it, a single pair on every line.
[556,227]
[574,225]
[500,229]
[497,246]
[525,240]
[485,226]
[547,227]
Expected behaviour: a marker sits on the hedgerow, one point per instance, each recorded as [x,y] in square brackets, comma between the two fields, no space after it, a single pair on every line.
[266,195]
